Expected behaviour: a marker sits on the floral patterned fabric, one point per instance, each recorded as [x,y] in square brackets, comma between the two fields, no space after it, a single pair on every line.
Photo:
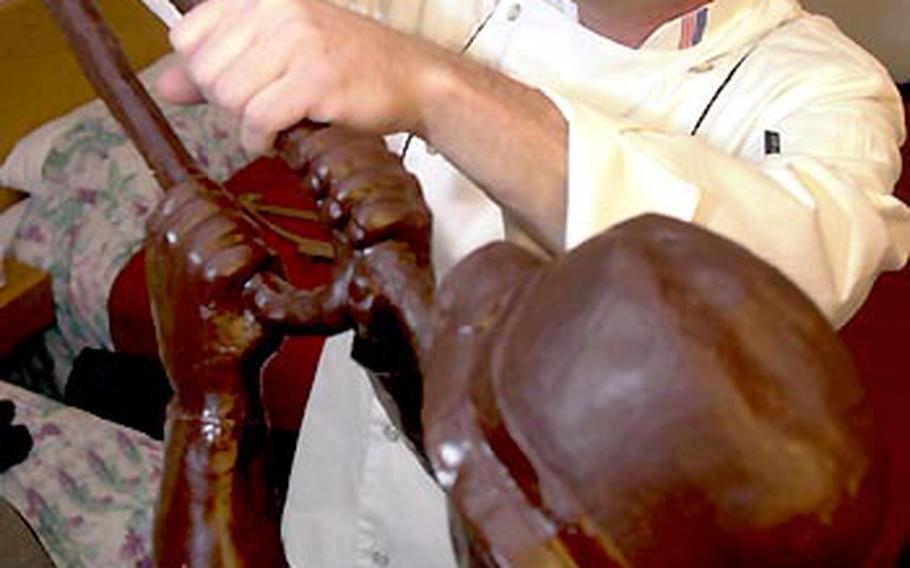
[88,219]
[88,487]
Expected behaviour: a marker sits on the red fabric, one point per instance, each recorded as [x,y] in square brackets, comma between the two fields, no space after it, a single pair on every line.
[129,311]
[878,339]
[287,376]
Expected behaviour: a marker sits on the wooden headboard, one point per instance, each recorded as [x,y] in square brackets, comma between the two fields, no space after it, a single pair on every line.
[41,79]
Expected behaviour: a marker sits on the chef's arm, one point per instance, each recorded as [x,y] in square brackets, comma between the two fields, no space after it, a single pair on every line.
[820,210]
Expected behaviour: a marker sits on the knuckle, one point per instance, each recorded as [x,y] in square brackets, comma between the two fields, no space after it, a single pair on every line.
[334,211]
[200,70]
[179,38]
[295,30]
[228,95]
[193,260]
[259,117]
[323,106]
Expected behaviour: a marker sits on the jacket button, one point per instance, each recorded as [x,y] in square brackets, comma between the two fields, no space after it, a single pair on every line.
[701,67]
[391,433]
[380,559]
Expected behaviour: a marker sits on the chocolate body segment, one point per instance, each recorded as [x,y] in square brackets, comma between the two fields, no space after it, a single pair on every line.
[215,507]
[383,280]
[658,392]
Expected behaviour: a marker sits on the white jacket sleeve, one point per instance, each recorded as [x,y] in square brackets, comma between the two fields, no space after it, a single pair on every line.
[400,14]
[821,211]
[446,22]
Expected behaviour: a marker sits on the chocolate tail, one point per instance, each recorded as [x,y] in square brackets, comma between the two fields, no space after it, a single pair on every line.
[104,64]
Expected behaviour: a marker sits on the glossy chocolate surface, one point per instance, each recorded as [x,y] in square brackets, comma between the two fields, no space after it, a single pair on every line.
[659,391]
[383,282]
[200,250]
[215,492]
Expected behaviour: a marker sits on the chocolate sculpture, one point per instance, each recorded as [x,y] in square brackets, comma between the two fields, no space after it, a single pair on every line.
[656,397]
[200,250]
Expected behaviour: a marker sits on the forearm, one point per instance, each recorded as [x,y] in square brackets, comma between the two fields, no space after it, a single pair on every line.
[508,138]
[821,220]
[214,506]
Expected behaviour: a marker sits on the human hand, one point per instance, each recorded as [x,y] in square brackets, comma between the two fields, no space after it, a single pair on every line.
[199,252]
[277,62]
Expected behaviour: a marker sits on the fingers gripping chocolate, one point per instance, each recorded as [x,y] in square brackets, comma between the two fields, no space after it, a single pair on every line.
[363,191]
[381,226]
[383,282]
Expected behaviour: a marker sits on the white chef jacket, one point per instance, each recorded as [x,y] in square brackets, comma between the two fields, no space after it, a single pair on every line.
[795,159]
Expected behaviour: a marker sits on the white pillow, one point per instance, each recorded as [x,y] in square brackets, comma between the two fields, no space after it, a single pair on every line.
[9,221]
[24,168]
[91,193]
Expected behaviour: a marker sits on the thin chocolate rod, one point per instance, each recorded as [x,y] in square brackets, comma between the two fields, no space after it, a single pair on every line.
[185,6]
[107,68]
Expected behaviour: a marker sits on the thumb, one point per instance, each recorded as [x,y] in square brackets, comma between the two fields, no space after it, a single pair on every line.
[175,86]
[276,303]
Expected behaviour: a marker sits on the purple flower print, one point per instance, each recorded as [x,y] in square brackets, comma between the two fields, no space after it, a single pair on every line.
[46,431]
[87,196]
[34,234]
[133,545]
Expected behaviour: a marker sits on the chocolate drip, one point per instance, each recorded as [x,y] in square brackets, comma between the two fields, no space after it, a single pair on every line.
[106,67]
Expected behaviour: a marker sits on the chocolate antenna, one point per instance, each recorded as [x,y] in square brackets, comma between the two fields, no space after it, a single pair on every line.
[105,65]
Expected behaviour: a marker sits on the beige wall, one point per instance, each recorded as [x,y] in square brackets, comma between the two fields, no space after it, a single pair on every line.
[881,26]
[39,78]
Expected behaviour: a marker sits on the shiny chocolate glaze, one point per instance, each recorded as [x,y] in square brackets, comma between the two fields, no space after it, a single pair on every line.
[382,282]
[200,250]
[659,393]
[215,507]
